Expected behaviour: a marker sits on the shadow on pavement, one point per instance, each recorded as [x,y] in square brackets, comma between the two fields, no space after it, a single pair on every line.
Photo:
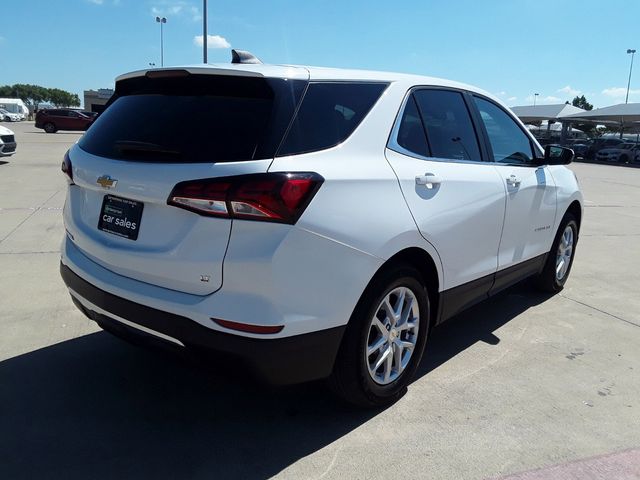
[96,407]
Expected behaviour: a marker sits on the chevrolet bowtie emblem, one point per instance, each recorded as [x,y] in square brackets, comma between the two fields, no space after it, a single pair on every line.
[105,181]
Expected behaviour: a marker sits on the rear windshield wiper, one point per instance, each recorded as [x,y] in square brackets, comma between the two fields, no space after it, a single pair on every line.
[145,149]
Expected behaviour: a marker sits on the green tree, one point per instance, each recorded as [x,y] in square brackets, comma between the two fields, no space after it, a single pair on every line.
[581,102]
[33,95]
[62,98]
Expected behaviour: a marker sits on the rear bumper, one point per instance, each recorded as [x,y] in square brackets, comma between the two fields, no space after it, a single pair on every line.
[279,361]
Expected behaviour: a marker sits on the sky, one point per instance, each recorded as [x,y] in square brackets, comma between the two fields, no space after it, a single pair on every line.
[511,48]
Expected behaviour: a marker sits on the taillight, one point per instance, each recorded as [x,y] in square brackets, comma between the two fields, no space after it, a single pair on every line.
[66,167]
[271,197]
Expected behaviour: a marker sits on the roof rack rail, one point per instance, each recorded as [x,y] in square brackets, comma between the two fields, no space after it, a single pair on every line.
[243,56]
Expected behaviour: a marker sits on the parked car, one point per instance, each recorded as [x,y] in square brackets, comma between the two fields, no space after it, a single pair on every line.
[7,142]
[600,143]
[622,153]
[581,148]
[52,120]
[89,114]
[350,211]
[6,116]
[15,105]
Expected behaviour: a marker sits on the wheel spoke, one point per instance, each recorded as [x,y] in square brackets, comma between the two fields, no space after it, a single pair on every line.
[397,312]
[380,326]
[404,317]
[376,346]
[406,326]
[389,310]
[397,357]
[388,365]
[382,358]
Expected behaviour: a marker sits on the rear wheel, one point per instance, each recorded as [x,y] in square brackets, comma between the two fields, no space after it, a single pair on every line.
[560,259]
[385,339]
[50,127]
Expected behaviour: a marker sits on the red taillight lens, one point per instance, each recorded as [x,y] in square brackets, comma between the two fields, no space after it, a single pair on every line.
[272,197]
[66,167]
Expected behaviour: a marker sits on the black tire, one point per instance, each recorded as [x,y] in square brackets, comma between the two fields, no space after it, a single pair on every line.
[547,280]
[624,158]
[350,378]
[50,127]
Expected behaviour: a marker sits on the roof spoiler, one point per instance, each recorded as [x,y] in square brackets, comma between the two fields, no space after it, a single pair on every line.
[243,56]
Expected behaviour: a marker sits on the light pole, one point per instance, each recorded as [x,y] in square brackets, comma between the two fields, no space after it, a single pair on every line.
[632,51]
[535,97]
[204,31]
[161,21]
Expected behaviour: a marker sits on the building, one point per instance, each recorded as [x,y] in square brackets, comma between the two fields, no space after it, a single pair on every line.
[95,100]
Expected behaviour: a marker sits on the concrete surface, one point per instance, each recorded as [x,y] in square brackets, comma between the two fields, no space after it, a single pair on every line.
[524,382]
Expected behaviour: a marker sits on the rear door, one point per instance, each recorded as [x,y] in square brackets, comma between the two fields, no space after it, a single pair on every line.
[456,198]
[159,132]
[531,191]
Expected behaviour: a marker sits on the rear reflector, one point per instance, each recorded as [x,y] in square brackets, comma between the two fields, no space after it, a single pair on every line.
[245,327]
[271,197]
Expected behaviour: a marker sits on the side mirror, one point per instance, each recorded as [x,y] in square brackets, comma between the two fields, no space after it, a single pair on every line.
[557,155]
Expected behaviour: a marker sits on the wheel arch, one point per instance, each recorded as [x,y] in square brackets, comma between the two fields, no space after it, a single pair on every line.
[575,209]
[425,264]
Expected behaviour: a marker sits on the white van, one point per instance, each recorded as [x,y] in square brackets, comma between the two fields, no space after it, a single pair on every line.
[15,105]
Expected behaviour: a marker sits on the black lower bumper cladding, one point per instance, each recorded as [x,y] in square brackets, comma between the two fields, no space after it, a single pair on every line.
[278,361]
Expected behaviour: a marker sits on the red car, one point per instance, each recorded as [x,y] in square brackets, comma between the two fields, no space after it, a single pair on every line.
[52,120]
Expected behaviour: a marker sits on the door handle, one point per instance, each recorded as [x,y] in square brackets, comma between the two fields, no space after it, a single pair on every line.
[513,181]
[429,180]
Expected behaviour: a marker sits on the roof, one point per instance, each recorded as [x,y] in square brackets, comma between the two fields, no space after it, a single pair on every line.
[536,113]
[309,73]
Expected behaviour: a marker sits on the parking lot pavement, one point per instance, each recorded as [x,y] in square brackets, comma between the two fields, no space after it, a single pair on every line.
[522,382]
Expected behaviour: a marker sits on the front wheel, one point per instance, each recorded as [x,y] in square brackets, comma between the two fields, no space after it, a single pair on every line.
[560,259]
[385,339]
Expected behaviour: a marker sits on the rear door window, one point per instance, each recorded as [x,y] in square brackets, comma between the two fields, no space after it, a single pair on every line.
[450,132]
[329,114]
[194,119]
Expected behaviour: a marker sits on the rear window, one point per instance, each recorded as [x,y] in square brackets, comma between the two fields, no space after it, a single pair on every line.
[329,113]
[194,119]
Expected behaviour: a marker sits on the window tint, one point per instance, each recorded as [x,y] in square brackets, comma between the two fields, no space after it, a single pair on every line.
[411,132]
[329,113]
[449,129]
[198,118]
[508,142]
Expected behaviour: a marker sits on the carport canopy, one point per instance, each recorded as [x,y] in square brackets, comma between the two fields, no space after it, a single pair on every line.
[539,113]
[625,114]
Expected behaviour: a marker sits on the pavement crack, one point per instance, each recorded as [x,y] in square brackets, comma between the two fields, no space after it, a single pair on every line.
[601,311]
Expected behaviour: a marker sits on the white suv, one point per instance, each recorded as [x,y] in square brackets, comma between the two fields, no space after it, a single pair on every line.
[310,222]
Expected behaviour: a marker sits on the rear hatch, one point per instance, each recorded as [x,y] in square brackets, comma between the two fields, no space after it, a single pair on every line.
[160,129]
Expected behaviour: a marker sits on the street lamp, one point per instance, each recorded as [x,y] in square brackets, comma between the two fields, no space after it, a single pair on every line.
[632,52]
[161,21]
[535,97]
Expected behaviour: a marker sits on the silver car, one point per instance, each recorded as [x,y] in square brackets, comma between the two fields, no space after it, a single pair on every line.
[624,153]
